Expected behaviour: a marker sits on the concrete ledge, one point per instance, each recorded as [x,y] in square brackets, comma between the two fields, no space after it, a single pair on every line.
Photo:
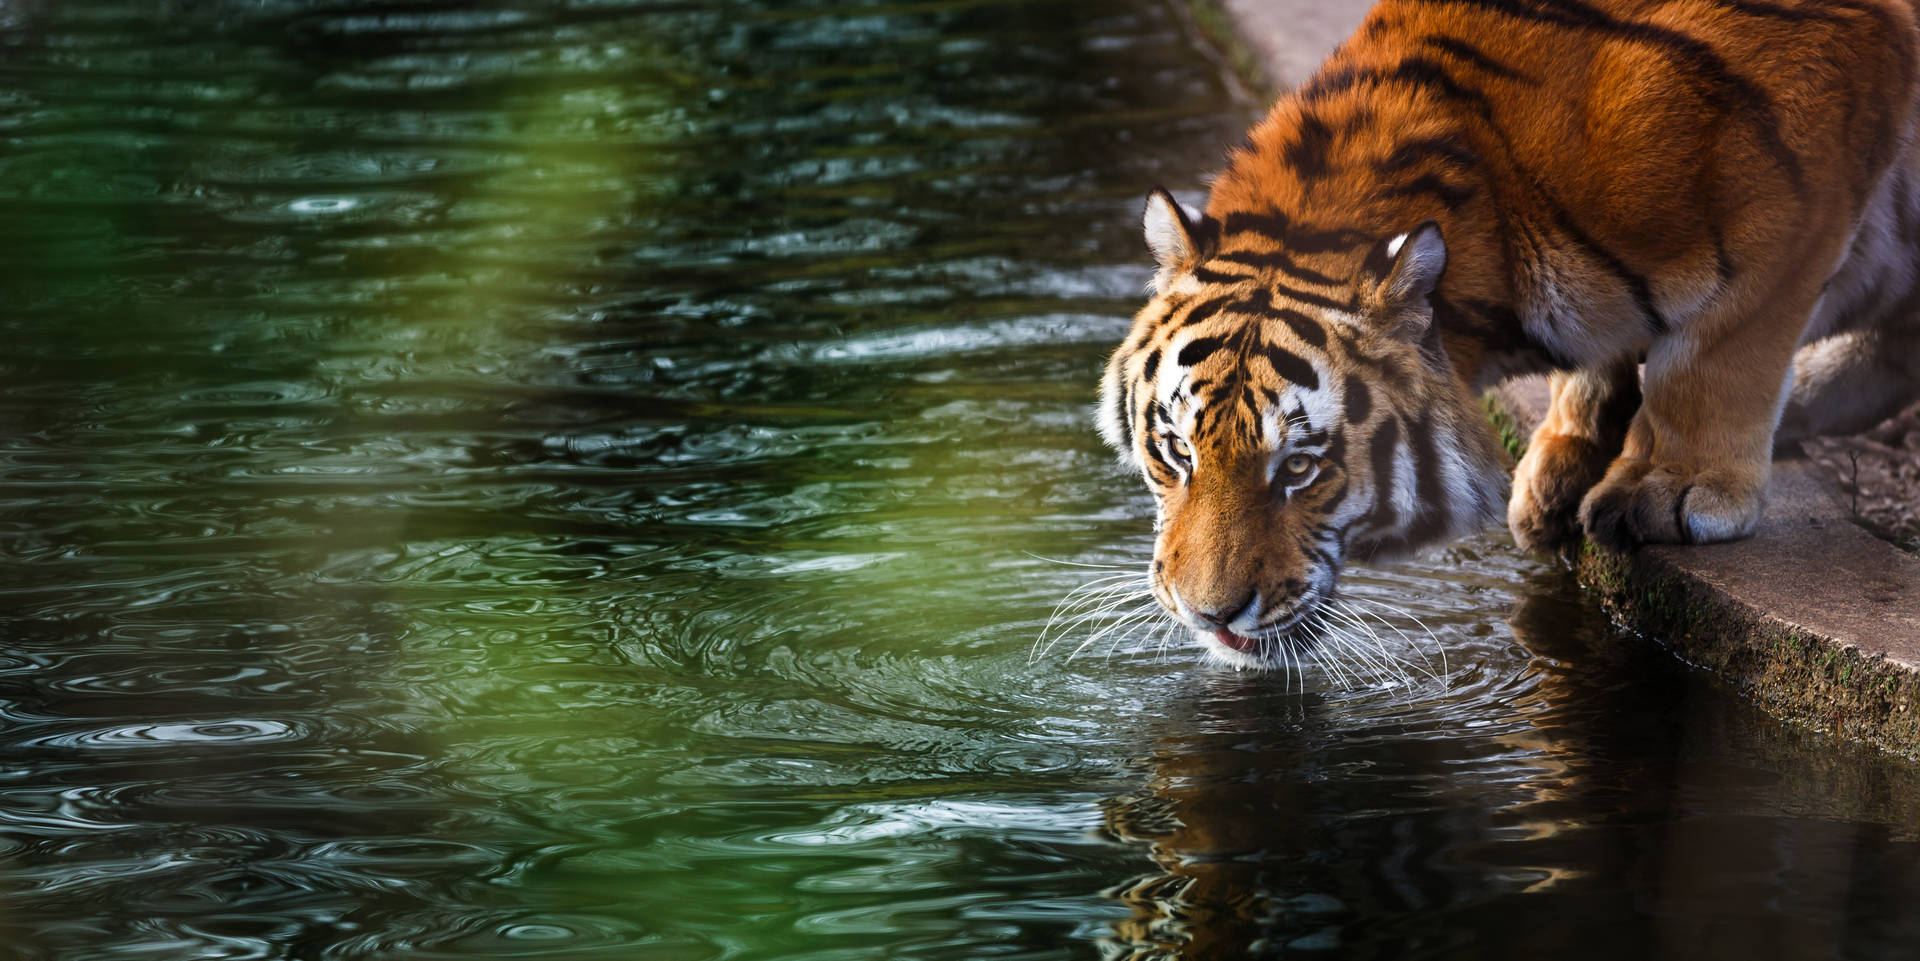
[1813,617]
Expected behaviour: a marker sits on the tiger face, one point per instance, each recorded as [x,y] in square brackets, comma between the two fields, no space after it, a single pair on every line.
[1290,403]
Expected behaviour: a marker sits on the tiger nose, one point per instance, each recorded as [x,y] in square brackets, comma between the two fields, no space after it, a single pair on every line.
[1222,617]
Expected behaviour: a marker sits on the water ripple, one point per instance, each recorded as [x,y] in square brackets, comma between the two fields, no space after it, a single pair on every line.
[562,479]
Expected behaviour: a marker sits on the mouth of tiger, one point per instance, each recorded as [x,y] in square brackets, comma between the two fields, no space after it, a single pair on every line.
[1271,646]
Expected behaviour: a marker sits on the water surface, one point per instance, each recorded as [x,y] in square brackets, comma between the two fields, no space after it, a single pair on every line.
[572,479]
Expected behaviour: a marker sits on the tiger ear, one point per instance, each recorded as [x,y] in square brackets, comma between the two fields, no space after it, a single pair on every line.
[1406,269]
[1169,236]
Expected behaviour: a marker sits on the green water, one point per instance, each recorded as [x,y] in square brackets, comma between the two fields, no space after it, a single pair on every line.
[578,479]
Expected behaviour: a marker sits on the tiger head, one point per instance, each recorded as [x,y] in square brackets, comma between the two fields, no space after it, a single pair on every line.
[1290,402]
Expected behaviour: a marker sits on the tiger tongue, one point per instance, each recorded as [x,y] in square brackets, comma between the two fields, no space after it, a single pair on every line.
[1233,640]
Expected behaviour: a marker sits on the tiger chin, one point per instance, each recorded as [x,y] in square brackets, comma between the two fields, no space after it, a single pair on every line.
[1470,190]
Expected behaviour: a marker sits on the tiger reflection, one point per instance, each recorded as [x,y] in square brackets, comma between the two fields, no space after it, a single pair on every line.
[1604,785]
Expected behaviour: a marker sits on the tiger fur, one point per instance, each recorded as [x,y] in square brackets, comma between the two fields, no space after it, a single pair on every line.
[1469,189]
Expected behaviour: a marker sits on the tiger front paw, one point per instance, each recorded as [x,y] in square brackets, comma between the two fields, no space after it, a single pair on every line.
[1639,502]
[1556,472]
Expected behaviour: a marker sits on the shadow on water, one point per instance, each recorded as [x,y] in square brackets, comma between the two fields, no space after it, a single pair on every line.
[563,479]
[1605,802]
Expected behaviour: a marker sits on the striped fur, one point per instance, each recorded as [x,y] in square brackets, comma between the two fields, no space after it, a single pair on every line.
[1471,188]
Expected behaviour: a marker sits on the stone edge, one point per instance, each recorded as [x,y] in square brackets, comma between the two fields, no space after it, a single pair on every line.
[1764,624]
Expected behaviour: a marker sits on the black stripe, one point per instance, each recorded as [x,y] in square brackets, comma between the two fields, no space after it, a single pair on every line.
[1430,497]
[1359,120]
[1449,195]
[1153,326]
[1301,240]
[1157,414]
[1152,366]
[1423,72]
[1497,327]
[1206,236]
[1291,368]
[1304,327]
[1333,495]
[1203,311]
[1271,225]
[1442,148]
[1308,297]
[1473,55]
[1359,400]
[1197,350]
[1206,276]
[1754,8]
[1731,91]
[1493,314]
[1379,262]
[1446,315]
[1308,155]
[1277,260]
[1308,241]
[1380,452]
[1337,452]
[1153,451]
[1635,281]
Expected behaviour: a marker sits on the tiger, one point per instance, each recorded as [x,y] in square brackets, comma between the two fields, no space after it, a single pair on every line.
[1701,218]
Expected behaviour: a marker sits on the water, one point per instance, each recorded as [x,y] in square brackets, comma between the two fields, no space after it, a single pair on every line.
[562,480]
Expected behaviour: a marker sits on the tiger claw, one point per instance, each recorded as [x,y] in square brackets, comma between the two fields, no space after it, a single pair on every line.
[1640,503]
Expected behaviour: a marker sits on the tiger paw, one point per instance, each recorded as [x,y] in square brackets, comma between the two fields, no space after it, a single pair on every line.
[1556,472]
[1639,502]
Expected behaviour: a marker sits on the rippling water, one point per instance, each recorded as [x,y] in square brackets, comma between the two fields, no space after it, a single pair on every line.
[564,480]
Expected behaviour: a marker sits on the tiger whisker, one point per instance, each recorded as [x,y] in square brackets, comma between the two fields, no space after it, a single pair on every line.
[1377,661]
[1130,633]
[1058,560]
[1111,613]
[1131,615]
[1342,610]
[1364,669]
[1098,593]
[1409,615]
[1385,666]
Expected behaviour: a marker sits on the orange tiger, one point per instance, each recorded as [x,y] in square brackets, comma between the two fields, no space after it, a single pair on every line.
[1469,189]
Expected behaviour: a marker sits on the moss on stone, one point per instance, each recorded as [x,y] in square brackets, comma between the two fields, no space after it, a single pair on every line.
[1793,673]
[1512,438]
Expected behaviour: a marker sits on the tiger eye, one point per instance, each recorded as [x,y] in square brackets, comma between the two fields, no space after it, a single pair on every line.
[1298,464]
[1180,447]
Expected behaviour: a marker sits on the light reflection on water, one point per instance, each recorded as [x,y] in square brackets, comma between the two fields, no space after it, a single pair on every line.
[565,481]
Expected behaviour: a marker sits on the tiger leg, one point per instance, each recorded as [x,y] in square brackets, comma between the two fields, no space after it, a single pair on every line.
[1696,459]
[1585,425]
[1849,382]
